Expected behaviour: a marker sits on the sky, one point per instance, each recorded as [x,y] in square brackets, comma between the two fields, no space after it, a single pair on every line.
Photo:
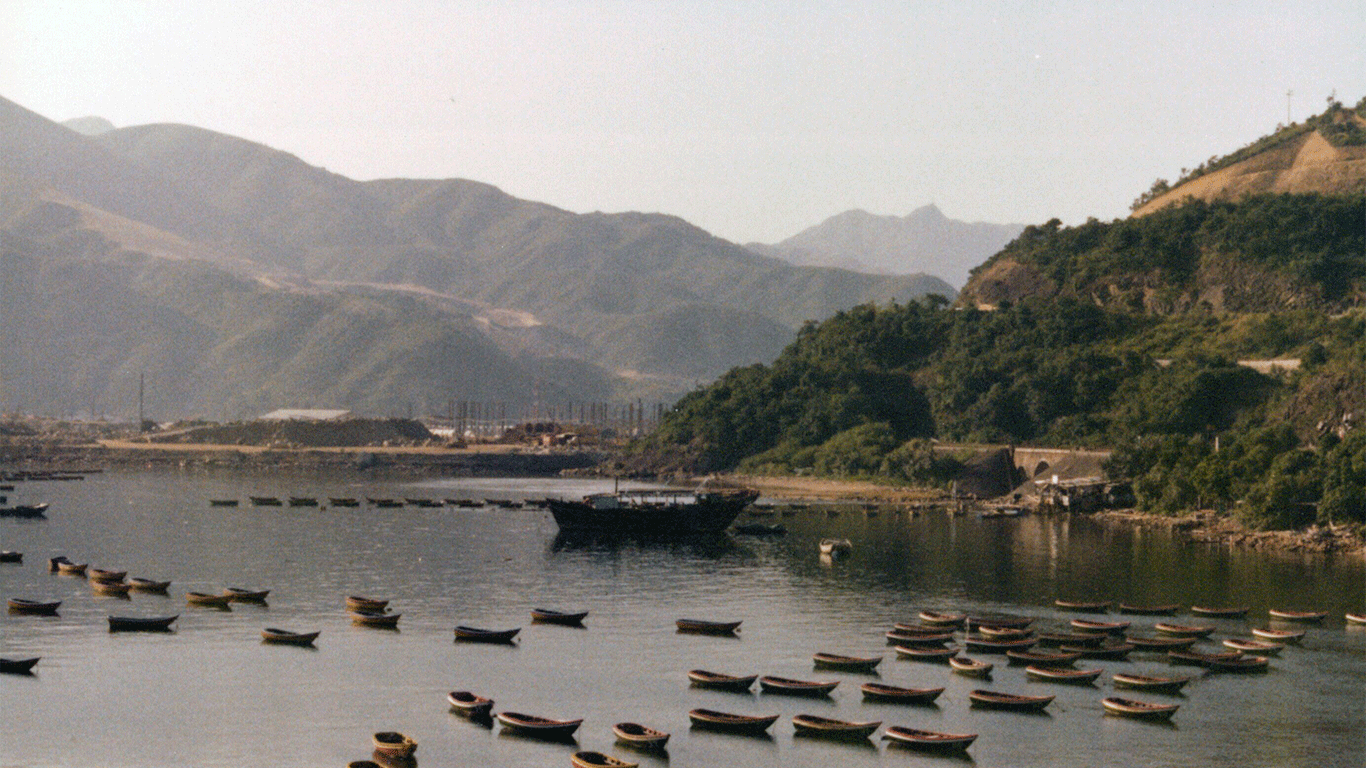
[753,120]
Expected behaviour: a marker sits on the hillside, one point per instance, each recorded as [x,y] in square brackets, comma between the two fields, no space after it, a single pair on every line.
[924,240]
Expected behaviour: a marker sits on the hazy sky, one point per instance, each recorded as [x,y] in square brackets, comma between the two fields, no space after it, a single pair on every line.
[753,120]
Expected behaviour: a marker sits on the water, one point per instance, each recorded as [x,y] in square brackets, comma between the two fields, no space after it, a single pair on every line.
[211,694]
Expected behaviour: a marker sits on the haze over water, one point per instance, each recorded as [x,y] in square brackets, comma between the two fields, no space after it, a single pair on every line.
[211,694]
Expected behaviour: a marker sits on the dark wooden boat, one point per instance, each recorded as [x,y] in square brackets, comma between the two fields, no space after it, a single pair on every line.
[139,624]
[1055,639]
[1200,659]
[891,694]
[1083,606]
[722,682]
[1220,613]
[265,501]
[971,667]
[905,628]
[926,652]
[1184,630]
[590,759]
[1240,664]
[1062,675]
[1149,610]
[286,637]
[1303,617]
[640,736]
[1259,647]
[1141,710]
[928,741]
[1278,635]
[1163,644]
[385,503]
[987,645]
[1113,627]
[10,556]
[727,721]
[18,666]
[1110,651]
[789,687]
[897,637]
[30,511]
[652,512]
[1003,633]
[236,595]
[541,727]
[1149,683]
[54,563]
[303,501]
[110,587]
[478,635]
[207,600]
[222,502]
[470,704]
[567,618]
[107,574]
[996,700]
[1041,659]
[949,619]
[846,663]
[703,627]
[33,607]
[394,744]
[343,501]
[356,603]
[999,620]
[826,727]
[139,584]
[372,619]
[68,568]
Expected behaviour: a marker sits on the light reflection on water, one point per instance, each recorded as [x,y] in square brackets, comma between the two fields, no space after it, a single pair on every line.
[211,694]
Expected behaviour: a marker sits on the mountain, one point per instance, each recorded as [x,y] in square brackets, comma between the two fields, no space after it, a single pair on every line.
[925,240]
[523,299]
[90,125]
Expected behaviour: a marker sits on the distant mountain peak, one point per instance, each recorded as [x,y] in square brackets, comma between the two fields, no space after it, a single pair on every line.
[90,125]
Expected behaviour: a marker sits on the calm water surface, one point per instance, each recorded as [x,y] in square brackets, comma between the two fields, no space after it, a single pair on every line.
[211,694]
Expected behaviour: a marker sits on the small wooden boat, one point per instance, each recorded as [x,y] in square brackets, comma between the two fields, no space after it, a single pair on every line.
[987,645]
[371,619]
[1003,633]
[1358,619]
[24,510]
[1055,639]
[206,600]
[926,652]
[68,568]
[1184,630]
[54,562]
[721,682]
[999,620]
[1149,683]
[222,502]
[1220,613]
[905,628]
[1040,659]
[789,687]
[567,618]
[110,587]
[995,700]
[33,607]
[1082,606]
[394,744]
[598,760]
[286,637]
[897,637]
[1060,675]
[150,586]
[18,666]
[236,595]
[971,667]
[835,547]
[343,501]
[846,663]
[1149,610]
[640,736]
[825,727]
[303,501]
[540,727]
[726,721]
[1278,635]
[138,624]
[10,556]
[1240,664]
[928,741]
[943,619]
[1110,651]
[478,635]
[891,694]
[264,501]
[1162,644]
[107,574]
[1200,659]
[470,704]
[354,603]
[1261,647]
[1113,627]
[1141,710]
[1302,617]
[703,627]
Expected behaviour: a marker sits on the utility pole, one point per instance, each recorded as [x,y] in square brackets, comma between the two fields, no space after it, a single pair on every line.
[1288,94]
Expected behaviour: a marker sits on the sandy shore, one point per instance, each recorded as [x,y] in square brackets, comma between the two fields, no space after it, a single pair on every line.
[819,489]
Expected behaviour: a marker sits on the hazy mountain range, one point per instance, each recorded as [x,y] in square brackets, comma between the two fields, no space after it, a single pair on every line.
[239,278]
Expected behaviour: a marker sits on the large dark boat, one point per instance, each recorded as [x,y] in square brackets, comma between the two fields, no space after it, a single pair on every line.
[652,512]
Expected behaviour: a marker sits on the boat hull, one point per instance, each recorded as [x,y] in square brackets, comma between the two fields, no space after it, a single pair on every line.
[709,513]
